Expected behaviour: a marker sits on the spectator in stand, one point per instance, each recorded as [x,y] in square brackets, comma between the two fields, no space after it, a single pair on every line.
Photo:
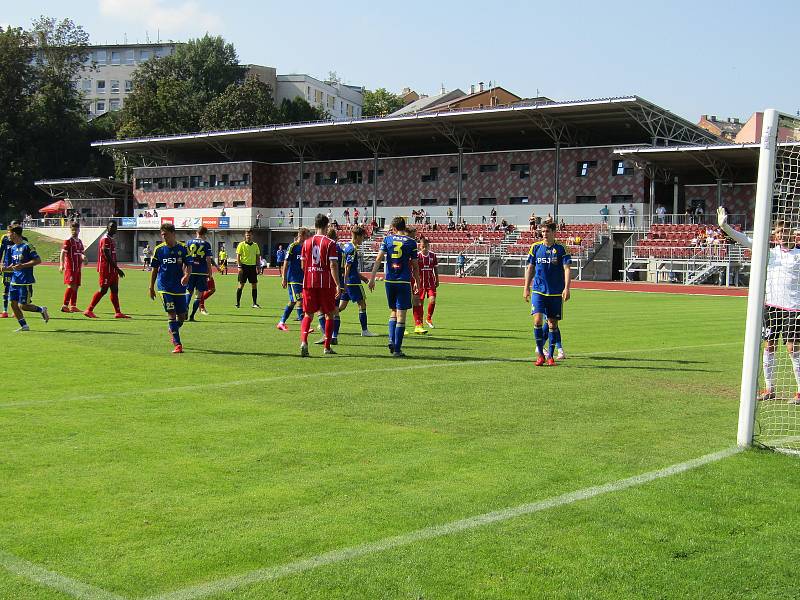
[291,217]
[335,224]
[570,241]
[699,215]
[493,218]
[373,224]
[355,215]
[532,222]
[450,212]
[661,212]
[281,217]
[258,219]
[451,225]
[694,242]
[578,240]
[563,224]
[146,252]
[604,213]
[480,238]
[347,216]
[483,219]
[222,213]
[414,215]
[330,215]
[622,214]
[549,218]
[687,216]
[155,212]
[632,215]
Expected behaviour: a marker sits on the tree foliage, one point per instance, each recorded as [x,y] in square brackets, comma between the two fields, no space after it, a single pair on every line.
[380,103]
[170,94]
[247,105]
[43,128]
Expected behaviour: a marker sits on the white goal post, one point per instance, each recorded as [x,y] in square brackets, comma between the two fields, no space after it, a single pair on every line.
[771,417]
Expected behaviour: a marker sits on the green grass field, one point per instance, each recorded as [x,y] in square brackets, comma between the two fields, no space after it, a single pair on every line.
[145,475]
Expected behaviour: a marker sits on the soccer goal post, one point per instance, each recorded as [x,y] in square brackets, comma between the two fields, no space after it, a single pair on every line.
[771,361]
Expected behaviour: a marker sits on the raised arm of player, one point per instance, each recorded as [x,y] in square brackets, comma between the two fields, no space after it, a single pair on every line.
[736,236]
[375,267]
[526,287]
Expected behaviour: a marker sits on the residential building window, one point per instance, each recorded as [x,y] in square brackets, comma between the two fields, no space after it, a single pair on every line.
[128,86]
[585,199]
[101,106]
[488,168]
[487,201]
[86,85]
[524,169]
[145,55]
[115,86]
[308,93]
[371,175]
[621,198]
[101,56]
[618,167]
[428,201]
[518,200]
[101,86]
[583,166]
[129,57]
[162,52]
[179,204]
[114,104]
[116,57]
[433,174]
[349,110]
[317,96]
[331,102]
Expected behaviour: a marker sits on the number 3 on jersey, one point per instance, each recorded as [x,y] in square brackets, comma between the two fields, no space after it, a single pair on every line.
[398,249]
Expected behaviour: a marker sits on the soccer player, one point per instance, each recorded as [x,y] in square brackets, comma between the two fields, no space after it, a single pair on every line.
[781,300]
[5,260]
[223,260]
[247,256]
[200,253]
[172,268]
[429,281]
[23,258]
[401,280]
[331,233]
[207,294]
[292,277]
[461,262]
[549,271]
[109,274]
[354,280]
[321,283]
[146,257]
[72,258]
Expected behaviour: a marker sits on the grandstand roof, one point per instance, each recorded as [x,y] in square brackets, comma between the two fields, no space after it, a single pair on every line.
[621,121]
[700,164]
[84,187]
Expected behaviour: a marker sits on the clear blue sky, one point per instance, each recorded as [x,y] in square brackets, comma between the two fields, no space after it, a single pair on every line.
[728,58]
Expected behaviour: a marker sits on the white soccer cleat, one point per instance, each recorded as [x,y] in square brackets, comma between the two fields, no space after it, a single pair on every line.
[429,324]
[368,333]
[23,328]
[561,355]
[45,314]
[203,311]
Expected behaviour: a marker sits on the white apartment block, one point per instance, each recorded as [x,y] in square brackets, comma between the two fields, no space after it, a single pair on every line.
[339,100]
[106,86]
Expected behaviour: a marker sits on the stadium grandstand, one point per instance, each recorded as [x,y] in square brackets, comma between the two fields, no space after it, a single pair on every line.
[607,170]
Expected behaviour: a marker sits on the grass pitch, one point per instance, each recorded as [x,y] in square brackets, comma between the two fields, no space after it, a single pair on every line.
[142,473]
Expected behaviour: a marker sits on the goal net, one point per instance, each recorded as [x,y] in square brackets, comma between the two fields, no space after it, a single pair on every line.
[773,405]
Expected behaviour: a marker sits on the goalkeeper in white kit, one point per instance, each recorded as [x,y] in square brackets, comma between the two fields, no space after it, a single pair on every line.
[781,299]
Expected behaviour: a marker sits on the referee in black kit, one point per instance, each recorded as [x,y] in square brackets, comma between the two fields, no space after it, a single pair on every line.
[247,256]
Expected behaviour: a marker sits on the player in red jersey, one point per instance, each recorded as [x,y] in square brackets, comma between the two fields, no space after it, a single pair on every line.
[212,287]
[429,281]
[321,283]
[73,257]
[109,273]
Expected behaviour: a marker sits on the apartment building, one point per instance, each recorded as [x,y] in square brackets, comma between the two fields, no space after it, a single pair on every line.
[340,101]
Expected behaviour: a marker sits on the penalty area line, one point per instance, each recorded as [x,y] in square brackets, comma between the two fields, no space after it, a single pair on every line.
[45,578]
[301,376]
[344,554]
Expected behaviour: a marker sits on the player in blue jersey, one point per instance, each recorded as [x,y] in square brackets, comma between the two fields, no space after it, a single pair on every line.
[292,278]
[549,271]
[22,259]
[353,280]
[5,260]
[202,257]
[172,268]
[401,280]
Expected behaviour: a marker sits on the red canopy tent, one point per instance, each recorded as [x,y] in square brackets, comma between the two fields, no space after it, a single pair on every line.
[56,207]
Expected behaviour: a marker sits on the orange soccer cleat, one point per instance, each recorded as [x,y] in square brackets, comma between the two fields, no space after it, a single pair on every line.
[178,349]
[121,316]
[540,361]
[88,313]
[551,362]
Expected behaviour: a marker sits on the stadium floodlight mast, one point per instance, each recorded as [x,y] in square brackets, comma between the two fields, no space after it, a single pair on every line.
[777,412]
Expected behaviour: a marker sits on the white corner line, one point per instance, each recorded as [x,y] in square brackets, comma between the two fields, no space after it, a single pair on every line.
[344,554]
[66,585]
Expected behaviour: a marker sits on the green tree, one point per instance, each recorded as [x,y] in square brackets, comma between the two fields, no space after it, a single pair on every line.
[247,105]
[380,103]
[170,94]
[298,110]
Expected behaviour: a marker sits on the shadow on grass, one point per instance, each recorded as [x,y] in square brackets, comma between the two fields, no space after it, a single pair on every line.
[646,368]
[87,331]
[678,361]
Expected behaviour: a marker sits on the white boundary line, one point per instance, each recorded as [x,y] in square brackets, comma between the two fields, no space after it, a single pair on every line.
[260,380]
[344,554]
[32,572]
